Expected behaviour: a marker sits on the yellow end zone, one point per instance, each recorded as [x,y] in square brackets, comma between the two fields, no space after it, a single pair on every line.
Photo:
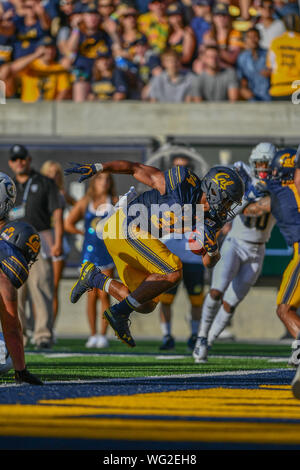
[79,417]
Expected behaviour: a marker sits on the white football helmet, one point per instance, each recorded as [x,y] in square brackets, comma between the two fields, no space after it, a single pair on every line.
[8,194]
[262,154]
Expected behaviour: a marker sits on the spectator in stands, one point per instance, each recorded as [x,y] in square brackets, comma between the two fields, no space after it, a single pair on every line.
[268,27]
[228,40]
[86,40]
[92,208]
[202,20]
[129,33]
[44,78]
[6,41]
[154,25]
[30,28]
[215,83]
[181,37]
[148,65]
[108,82]
[61,25]
[173,85]
[252,69]
[284,59]
[38,204]
[106,9]
[285,7]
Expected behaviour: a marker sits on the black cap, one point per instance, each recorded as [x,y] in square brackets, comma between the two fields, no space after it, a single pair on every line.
[19,151]
[174,9]
[90,8]
[221,9]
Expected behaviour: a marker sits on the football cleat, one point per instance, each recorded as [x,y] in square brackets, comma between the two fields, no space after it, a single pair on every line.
[296,384]
[191,342]
[119,323]
[24,376]
[294,359]
[200,350]
[87,271]
[167,343]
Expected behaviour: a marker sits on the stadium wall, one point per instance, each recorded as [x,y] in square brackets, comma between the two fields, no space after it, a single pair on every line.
[130,118]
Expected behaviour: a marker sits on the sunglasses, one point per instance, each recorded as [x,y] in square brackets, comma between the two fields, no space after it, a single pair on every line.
[14,159]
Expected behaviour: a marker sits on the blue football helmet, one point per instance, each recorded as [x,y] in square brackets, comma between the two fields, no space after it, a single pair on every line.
[23,236]
[224,189]
[283,165]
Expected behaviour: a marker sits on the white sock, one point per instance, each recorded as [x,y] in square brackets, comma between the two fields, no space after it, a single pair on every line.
[209,310]
[166,328]
[195,326]
[220,322]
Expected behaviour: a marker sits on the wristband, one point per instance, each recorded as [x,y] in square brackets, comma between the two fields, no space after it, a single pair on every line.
[98,166]
[212,253]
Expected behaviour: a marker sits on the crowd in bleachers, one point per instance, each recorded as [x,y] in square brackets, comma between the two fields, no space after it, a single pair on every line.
[152,50]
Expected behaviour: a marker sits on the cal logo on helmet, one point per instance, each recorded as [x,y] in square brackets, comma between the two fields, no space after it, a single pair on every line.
[223,180]
[287,160]
[34,243]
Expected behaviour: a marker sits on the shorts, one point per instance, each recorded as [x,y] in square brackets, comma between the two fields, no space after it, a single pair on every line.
[136,257]
[193,279]
[289,291]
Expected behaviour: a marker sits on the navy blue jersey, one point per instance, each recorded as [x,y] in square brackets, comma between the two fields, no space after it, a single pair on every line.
[182,187]
[105,88]
[285,206]
[26,38]
[89,46]
[13,264]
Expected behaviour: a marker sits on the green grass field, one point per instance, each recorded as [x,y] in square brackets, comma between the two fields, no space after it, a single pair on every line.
[70,360]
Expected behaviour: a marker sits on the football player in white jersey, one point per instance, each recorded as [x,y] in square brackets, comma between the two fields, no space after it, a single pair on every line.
[242,255]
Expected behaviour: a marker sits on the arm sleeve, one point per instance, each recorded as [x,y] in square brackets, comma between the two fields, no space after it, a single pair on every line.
[14,265]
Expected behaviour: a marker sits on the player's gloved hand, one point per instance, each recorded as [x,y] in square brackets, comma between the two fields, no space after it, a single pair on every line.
[86,170]
[256,191]
[201,243]
[24,376]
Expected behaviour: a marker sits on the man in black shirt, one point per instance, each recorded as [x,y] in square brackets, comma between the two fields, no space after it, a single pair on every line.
[38,204]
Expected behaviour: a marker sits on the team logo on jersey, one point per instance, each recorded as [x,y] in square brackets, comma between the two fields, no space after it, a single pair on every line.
[287,160]
[222,180]
[34,243]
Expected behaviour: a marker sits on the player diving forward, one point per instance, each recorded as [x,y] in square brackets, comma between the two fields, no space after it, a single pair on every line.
[19,248]
[284,204]
[145,265]
[242,255]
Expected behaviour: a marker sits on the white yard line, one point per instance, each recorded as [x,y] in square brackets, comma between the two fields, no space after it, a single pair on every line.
[158,377]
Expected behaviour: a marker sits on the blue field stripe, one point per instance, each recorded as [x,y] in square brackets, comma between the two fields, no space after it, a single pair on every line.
[30,394]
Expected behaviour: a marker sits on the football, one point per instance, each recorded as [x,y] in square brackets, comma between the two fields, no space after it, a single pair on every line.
[5,359]
[196,245]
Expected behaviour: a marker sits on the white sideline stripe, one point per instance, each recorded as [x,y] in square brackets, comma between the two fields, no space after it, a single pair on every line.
[163,357]
[158,377]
